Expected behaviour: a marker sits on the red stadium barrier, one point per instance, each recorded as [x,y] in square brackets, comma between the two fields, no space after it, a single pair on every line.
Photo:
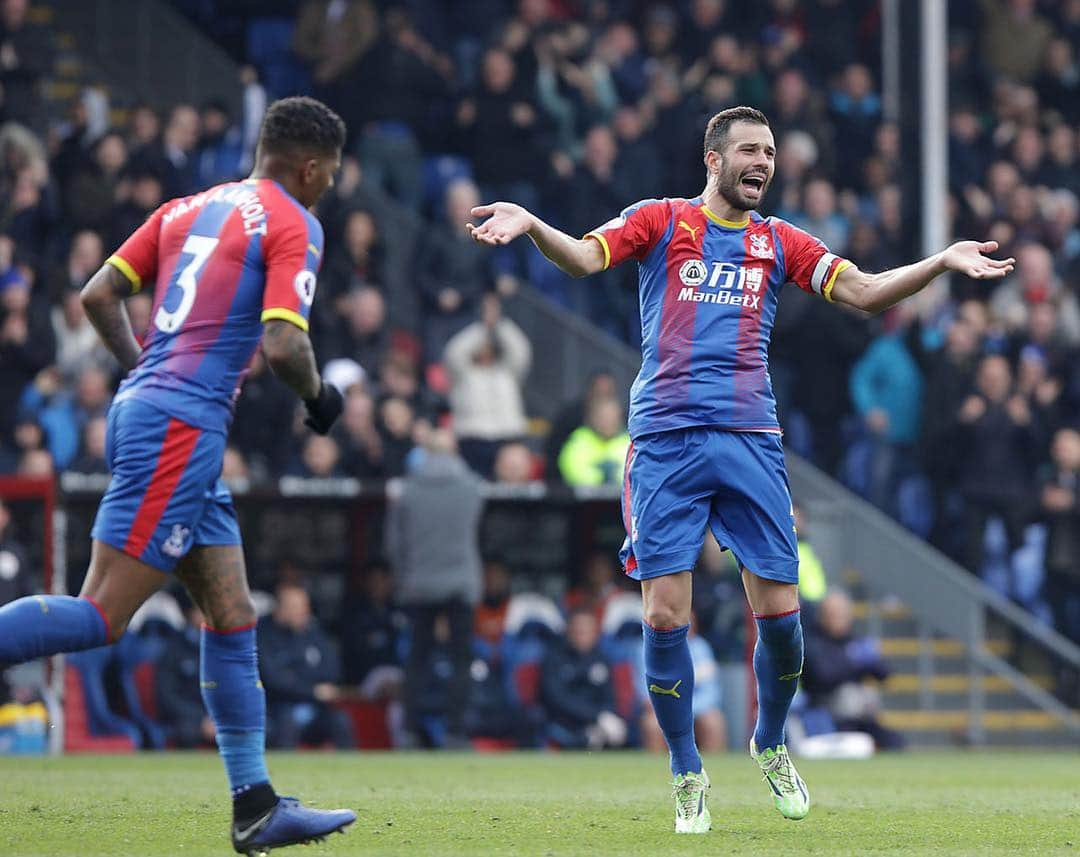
[77,735]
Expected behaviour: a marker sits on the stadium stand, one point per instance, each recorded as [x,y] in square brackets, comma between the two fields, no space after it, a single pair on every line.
[956,415]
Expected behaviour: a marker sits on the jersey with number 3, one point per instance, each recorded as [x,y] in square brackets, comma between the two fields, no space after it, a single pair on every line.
[221,262]
[708,290]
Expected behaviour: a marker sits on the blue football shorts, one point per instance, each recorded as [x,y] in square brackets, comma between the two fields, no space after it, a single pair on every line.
[166,495]
[678,482]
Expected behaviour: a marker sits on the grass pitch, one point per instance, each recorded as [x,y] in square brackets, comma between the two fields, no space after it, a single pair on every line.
[544,805]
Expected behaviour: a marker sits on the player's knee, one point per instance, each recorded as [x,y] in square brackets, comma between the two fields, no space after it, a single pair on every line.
[231,615]
[664,615]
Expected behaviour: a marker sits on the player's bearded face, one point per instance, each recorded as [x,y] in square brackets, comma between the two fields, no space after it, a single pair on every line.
[745,165]
[743,181]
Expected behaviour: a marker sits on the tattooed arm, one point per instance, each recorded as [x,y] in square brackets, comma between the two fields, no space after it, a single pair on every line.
[103,299]
[288,351]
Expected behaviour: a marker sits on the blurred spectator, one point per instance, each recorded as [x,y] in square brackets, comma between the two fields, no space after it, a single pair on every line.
[1033,282]
[1060,500]
[27,344]
[91,457]
[599,583]
[710,728]
[600,385]
[503,130]
[490,618]
[397,424]
[618,47]
[220,149]
[144,139]
[453,270]
[573,86]
[407,83]
[145,195]
[996,441]
[835,670]
[796,107]
[856,110]
[362,334]
[950,374]
[77,342]
[371,639]
[359,262]
[435,674]
[886,389]
[362,445]
[29,200]
[36,464]
[812,579]
[320,458]
[85,255]
[86,121]
[331,37]
[262,428]
[488,362]
[1014,37]
[301,673]
[1058,83]
[836,338]
[595,453]
[514,464]
[26,59]
[431,542]
[576,689]
[820,218]
[62,414]
[399,376]
[97,187]
[176,686]
[179,149]
[14,572]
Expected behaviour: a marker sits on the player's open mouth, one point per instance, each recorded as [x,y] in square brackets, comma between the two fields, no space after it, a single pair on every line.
[754,183]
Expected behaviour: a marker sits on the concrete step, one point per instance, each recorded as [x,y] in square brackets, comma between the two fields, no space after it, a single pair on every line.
[887,610]
[912,720]
[913,646]
[1022,739]
[957,683]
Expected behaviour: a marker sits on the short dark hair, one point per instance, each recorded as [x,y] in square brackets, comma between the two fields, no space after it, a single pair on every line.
[716,132]
[301,124]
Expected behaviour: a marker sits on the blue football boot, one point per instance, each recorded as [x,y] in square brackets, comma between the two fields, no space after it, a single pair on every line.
[289,823]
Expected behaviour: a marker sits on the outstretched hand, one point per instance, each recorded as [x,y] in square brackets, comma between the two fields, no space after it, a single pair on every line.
[505,222]
[969,257]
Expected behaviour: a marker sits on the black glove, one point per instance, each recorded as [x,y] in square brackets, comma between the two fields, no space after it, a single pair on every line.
[324,408]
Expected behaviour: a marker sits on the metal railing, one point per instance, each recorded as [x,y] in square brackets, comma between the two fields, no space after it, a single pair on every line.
[944,599]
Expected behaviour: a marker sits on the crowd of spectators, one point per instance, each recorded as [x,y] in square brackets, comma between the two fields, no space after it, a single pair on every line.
[958,409]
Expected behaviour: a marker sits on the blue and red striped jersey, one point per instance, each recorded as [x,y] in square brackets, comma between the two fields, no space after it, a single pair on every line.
[221,263]
[708,290]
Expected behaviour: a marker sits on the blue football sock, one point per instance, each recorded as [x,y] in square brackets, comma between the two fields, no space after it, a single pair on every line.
[42,625]
[233,694]
[669,677]
[778,658]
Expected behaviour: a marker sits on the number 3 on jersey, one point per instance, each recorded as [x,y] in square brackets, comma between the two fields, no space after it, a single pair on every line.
[199,248]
